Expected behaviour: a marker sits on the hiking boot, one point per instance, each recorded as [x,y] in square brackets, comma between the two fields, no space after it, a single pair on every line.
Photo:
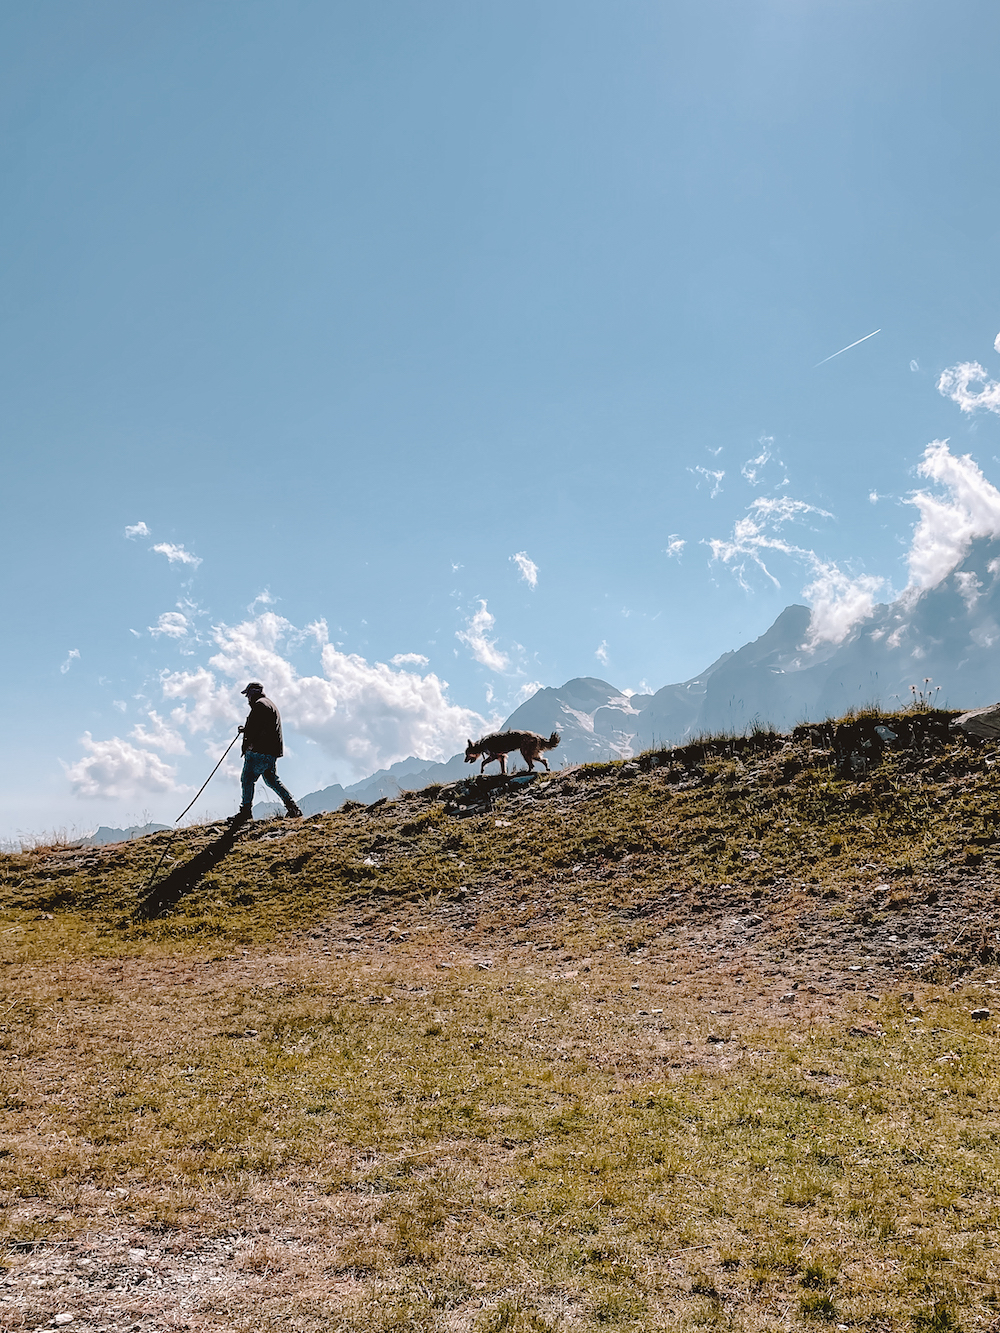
[293,812]
[242,815]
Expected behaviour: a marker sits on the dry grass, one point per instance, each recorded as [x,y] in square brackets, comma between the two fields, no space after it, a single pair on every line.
[554,1066]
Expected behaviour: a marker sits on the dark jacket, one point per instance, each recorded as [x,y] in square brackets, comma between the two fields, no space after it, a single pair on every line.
[262,729]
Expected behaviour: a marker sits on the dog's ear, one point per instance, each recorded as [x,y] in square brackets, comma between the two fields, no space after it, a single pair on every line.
[468,745]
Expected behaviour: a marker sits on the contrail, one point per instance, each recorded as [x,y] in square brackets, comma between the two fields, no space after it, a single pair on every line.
[846,349]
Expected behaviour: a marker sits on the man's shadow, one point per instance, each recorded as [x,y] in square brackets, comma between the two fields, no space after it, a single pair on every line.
[164,894]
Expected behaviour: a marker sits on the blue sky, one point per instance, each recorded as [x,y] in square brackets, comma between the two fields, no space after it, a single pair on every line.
[354,303]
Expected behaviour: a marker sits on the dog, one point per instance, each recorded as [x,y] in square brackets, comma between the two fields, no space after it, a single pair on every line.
[502,743]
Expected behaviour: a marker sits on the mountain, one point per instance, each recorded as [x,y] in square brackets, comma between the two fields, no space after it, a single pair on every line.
[595,720]
[105,834]
[948,634]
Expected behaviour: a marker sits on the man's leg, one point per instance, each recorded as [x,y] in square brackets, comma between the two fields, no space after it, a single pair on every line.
[251,772]
[252,764]
[270,776]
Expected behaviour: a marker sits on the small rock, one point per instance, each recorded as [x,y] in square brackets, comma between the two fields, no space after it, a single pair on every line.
[789,997]
[64,1318]
[714,1039]
[980,1015]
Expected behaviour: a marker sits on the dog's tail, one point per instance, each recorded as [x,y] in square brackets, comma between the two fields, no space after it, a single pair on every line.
[552,742]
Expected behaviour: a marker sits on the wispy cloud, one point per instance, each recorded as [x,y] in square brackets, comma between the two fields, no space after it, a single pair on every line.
[177,554]
[137,530]
[172,624]
[964,507]
[601,652]
[475,637]
[958,383]
[528,690]
[757,534]
[713,478]
[753,468]
[409,659]
[262,599]
[72,656]
[528,569]
[839,600]
[674,544]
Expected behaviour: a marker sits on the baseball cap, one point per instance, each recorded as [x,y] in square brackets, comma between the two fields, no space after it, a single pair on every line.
[255,687]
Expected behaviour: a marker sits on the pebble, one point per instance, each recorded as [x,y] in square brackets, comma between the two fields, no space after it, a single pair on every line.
[789,997]
[980,1015]
[64,1318]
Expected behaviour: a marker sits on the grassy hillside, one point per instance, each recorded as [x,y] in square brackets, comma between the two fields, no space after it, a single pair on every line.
[682,1041]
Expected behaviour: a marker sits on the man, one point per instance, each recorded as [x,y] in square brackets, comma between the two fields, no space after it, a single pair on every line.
[261,748]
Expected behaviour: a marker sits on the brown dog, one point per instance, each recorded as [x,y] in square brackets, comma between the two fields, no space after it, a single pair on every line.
[502,743]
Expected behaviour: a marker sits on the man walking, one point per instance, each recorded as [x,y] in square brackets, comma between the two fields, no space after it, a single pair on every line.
[261,748]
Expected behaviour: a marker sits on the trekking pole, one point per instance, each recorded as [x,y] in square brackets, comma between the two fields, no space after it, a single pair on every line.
[173,835]
[209,778]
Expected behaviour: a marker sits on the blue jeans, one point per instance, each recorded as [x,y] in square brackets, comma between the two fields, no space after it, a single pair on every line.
[262,766]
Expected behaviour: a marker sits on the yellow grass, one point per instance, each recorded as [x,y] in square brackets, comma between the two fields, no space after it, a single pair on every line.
[585,1079]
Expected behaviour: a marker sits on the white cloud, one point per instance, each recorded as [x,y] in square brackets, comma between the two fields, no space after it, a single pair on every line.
[674,544]
[714,477]
[958,383]
[161,737]
[914,366]
[177,554]
[873,497]
[72,656]
[137,530]
[601,652]
[838,602]
[364,715]
[528,568]
[753,467]
[969,588]
[949,524]
[754,535]
[172,624]
[116,768]
[409,659]
[528,690]
[474,636]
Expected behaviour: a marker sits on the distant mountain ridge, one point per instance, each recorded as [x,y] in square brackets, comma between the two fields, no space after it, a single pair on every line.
[949,633]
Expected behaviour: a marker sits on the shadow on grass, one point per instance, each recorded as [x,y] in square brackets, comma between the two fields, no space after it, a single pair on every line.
[164,894]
